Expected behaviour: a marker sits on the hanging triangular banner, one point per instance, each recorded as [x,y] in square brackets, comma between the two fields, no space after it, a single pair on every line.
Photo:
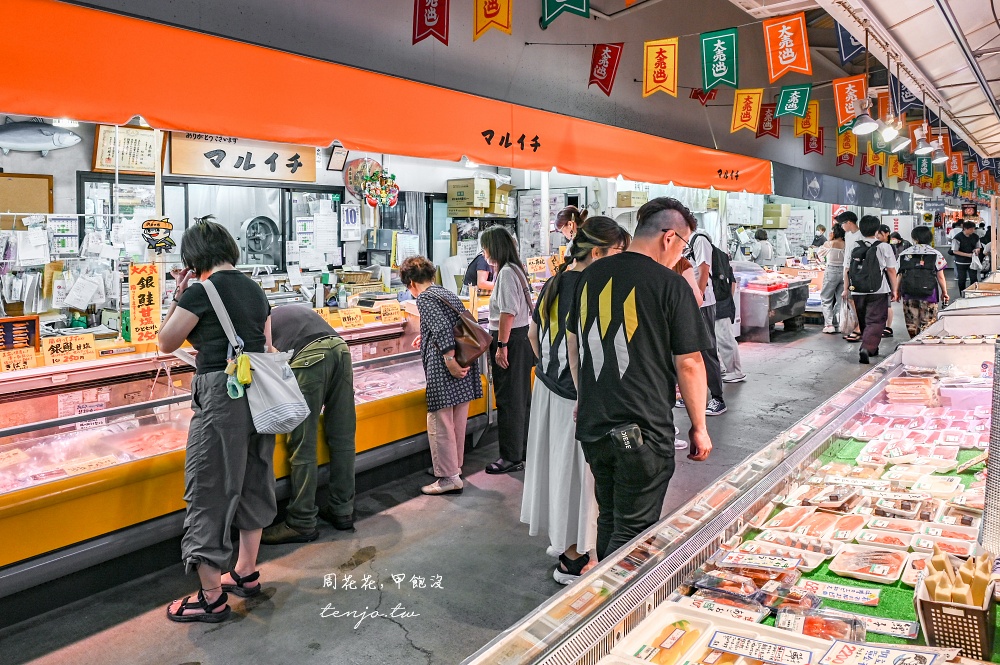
[812,143]
[875,158]
[604,66]
[925,169]
[659,67]
[809,123]
[746,109]
[846,91]
[491,14]
[879,144]
[846,127]
[866,168]
[551,9]
[769,124]
[847,45]
[895,168]
[793,100]
[846,158]
[430,19]
[719,58]
[847,144]
[702,96]
[902,98]
[957,142]
[938,179]
[955,164]
[787,45]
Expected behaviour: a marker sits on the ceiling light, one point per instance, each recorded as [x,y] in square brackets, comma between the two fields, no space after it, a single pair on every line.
[902,142]
[864,124]
[887,130]
[938,157]
[923,147]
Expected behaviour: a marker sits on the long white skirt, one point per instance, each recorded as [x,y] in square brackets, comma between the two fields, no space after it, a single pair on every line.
[558,485]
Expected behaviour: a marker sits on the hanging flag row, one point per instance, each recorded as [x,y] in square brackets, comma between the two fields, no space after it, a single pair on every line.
[431,17]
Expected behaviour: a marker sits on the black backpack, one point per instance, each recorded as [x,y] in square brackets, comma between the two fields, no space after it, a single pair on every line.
[918,275]
[865,272]
[721,270]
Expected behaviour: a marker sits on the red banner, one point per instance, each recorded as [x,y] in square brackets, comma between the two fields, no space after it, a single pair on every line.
[866,168]
[702,96]
[787,46]
[910,174]
[812,143]
[846,158]
[430,19]
[604,66]
[769,125]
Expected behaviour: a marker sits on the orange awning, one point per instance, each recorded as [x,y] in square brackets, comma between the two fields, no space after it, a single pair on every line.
[61,60]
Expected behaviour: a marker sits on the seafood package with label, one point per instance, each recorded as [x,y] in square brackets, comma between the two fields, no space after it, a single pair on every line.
[872,564]
[822,624]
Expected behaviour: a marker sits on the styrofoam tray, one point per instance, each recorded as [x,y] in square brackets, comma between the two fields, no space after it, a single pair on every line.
[878,538]
[906,527]
[944,531]
[838,565]
[925,544]
[810,560]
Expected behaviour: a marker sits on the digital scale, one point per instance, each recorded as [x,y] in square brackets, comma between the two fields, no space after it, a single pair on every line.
[373,300]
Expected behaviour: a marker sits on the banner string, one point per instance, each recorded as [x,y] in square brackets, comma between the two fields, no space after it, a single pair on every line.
[692,34]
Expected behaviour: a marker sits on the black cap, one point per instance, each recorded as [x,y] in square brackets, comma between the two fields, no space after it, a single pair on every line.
[847,216]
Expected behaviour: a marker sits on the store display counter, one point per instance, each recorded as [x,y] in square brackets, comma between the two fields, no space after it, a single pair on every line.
[92,456]
[762,310]
[654,601]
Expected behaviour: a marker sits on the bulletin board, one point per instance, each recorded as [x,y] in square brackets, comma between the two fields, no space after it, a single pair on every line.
[23,192]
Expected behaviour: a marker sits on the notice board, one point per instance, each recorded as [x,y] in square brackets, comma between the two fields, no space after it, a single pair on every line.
[23,193]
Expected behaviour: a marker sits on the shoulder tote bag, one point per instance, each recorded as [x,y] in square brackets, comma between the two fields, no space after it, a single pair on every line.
[471,340]
[276,401]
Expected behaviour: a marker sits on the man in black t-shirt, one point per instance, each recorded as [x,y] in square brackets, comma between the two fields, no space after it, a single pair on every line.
[479,274]
[632,320]
[964,246]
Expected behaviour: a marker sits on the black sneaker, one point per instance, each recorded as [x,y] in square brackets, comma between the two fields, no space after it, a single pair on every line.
[716,407]
[863,357]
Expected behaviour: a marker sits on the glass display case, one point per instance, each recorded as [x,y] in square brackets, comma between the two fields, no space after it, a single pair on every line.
[591,621]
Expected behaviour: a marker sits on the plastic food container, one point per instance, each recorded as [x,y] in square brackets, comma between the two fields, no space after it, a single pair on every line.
[847,528]
[723,581]
[776,596]
[880,565]
[818,623]
[960,548]
[789,518]
[907,475]
[941,487]
[668,638]
[957,517]
[960,397]
[906,509]
[950,532]
[908,527]
[894,541]
[827,548]
[817,525]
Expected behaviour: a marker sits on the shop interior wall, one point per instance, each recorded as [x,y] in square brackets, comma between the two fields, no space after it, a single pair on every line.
[376,35]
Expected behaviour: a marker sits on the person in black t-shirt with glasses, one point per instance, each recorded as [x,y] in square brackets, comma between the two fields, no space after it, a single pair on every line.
[634,333]
[964,246]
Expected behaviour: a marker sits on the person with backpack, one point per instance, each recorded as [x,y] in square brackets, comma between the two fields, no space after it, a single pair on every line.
[872,283]
[709,265]
[922,286]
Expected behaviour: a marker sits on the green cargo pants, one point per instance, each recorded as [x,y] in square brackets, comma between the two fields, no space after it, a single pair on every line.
[325,375]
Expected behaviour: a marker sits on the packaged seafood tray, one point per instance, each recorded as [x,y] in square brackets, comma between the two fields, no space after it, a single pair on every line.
[827,548]
[904,508]
[953,516]
[872,564]
[721,494]
[936,530]
[847,527]
[835,470]
[940,487]
[895,541]
[744,609]
[789,518]
[777,596]
[726,582]
[810,560]
[899,410]
[960,548]
[665,637]
[818,525]
[907,475]
[763,515]
[907,527]
[972,500]
[821,624]
[761,576]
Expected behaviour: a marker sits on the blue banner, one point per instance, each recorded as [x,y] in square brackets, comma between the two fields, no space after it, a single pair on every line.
[848,46]
[902,98]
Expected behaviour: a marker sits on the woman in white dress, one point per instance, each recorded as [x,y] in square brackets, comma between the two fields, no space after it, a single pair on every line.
[558,485]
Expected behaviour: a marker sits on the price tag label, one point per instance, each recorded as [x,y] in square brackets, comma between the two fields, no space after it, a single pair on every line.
[12,457]
[69,349]
[90,465]
[536,264]
[760,650]
[11,361]
[743,559]
[390,312]
[846,594]
[351,317]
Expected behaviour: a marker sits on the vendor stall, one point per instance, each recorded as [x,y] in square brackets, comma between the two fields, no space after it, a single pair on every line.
[822,538]
[769,298]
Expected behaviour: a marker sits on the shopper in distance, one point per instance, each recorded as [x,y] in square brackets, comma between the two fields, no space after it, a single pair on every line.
[707,260]
[872,284]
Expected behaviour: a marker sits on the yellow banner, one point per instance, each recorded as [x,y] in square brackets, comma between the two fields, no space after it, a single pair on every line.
[847,144]
[938,180]
[896,168]
[144,302]
[809,123]
[949,188]
[875,158]
[491,14]
[746,109]
[659,67]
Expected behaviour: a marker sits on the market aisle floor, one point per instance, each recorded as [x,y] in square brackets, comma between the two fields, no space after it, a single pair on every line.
[491,571]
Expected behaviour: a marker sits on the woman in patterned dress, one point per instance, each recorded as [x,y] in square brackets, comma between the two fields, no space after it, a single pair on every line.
[450,387]
[558,485]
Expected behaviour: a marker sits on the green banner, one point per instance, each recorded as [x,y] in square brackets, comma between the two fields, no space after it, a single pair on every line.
[719,59]
[924,167]
[794,100]
[878,145]
[845,127]
[960,181]
[553,8]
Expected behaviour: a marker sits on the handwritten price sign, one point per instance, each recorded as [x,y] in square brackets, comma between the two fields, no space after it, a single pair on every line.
[351,317]
[11,361]
[390,313]
[536,264]
[69,349]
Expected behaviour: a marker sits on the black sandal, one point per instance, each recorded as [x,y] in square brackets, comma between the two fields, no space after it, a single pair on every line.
[887,332]
[240,588]
[209,616]
[503,466]
[853,337]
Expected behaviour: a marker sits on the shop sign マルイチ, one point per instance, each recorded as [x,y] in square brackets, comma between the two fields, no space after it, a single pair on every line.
[217,156]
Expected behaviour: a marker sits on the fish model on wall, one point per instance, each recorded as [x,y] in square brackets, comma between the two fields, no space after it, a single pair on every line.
[34,134]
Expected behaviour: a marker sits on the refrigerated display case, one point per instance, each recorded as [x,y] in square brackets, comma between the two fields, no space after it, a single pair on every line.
[614,611]
[92,455]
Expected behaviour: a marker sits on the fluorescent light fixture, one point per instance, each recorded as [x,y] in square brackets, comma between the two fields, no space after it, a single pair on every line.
[864,124]
[938,157]
[923,147]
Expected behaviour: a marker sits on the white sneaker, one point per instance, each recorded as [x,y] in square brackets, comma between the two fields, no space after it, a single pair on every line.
[734,378]
[680,444]
[829,330]
[552,552]
[444,486]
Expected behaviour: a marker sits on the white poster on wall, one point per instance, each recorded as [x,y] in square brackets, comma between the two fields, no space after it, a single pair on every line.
[902,224]
[350,222]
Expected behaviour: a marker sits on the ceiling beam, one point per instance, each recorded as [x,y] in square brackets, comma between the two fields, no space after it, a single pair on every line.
[959,37]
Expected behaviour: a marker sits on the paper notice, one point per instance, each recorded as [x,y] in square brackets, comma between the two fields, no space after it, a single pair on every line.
[294,276]
[82,294]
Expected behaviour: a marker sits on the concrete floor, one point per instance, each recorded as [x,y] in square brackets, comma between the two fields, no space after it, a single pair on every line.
[491,572]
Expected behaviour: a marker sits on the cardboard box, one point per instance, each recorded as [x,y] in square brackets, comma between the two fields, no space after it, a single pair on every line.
[456,212]
[469,193]
[500,194]
[632,199]
[777,209]
[775,222]
[499,208]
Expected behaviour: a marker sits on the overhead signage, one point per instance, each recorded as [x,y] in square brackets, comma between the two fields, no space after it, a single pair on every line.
[215,156]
